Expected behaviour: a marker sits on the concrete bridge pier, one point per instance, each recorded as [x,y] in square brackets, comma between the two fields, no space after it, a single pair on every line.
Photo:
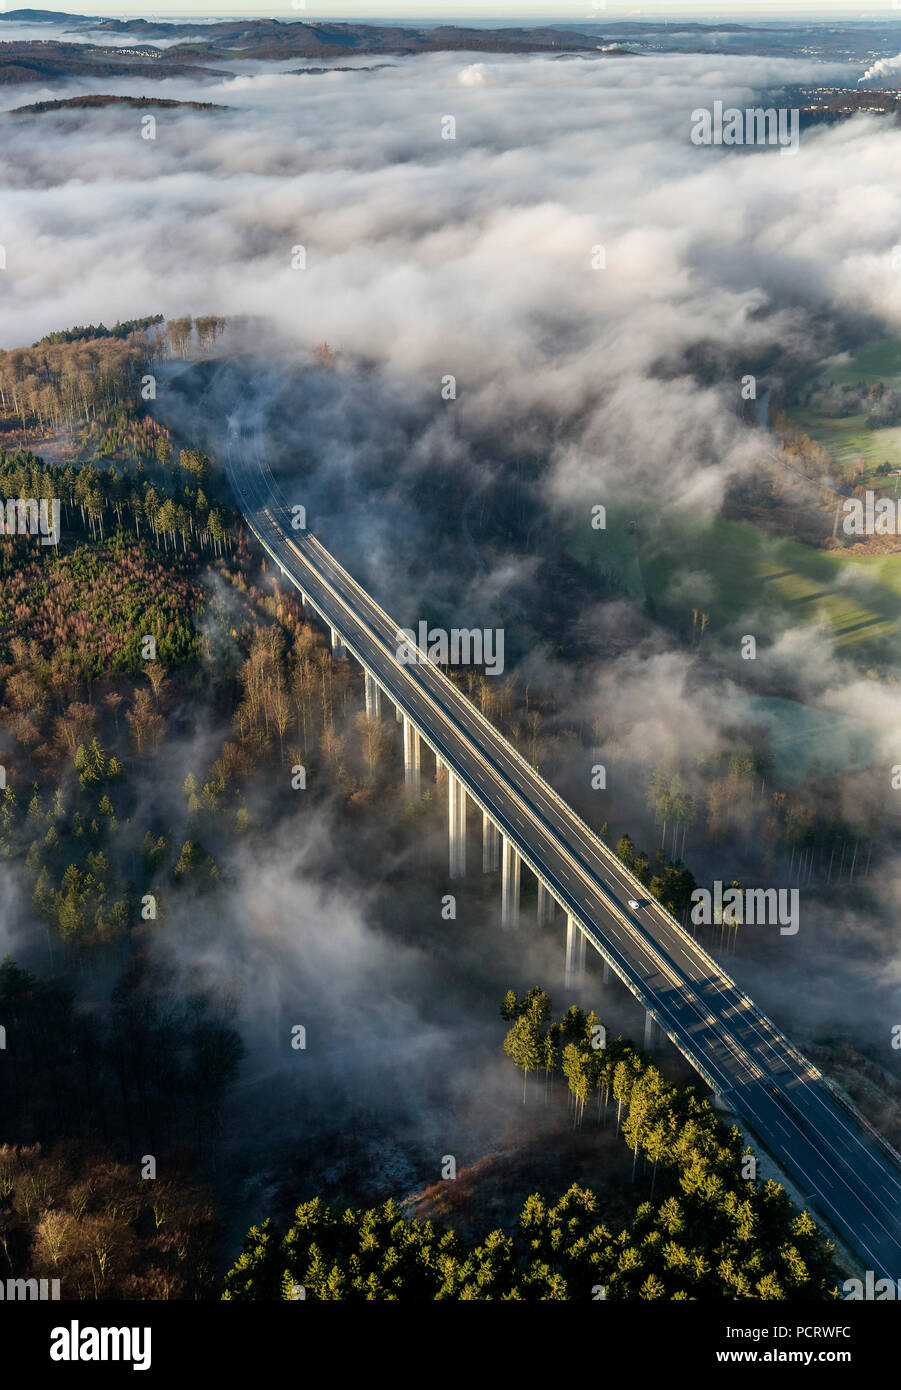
[545,906]
[491,845]
[575,953]
[608,973]
[338,647]
[456,805]
[398,714]
[412,759]
[650,1033]
[510,871]
[373,698]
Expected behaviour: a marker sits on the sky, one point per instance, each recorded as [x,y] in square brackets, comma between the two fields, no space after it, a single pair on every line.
[482,11]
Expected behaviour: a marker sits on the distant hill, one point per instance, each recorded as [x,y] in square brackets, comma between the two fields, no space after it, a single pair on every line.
[319,72]
[635,28]
[89,102]
[38,16]
[199,47]
[39,62]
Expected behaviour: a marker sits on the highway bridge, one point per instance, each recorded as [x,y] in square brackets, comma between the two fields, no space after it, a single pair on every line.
[846,1171]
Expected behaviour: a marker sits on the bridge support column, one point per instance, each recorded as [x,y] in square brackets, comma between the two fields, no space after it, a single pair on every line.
[338,648]
[398,714]
[373,698]
[304,601]
[608,973]
[412,761]
[510,870]
[491,845]
[545,906]
[650,1033]
[456,805]
[575,953]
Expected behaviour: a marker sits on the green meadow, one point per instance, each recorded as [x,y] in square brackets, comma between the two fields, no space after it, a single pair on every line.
[733,571]
[878,362]
[737,573]
[848,439]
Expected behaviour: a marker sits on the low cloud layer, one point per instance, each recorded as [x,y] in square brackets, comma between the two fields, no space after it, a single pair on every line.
[473,257]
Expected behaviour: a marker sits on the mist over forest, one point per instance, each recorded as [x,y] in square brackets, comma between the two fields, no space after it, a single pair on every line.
[575,385]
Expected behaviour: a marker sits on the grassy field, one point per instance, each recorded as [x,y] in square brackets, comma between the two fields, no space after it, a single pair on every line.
[779,581]
[742,577]
[878,362]
[610,554]
[848,440]
[806,742]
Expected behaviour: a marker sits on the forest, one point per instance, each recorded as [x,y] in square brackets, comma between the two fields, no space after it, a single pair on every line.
[705,1227]
[148,606]
[155,617]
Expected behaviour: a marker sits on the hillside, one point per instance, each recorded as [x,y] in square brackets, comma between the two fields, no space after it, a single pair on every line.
[262,39]
[40,62]
[88,103]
